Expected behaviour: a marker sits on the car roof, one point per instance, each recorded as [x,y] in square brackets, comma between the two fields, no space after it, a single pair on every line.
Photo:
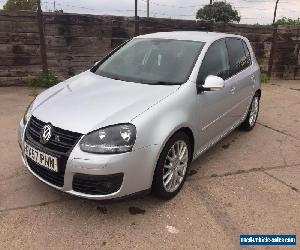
[200,36]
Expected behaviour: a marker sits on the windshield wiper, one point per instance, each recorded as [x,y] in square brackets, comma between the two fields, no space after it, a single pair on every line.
[162,83]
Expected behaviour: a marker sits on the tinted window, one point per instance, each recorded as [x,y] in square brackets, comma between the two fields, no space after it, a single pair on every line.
[247,53]
[238,58]
[215,62]
[152,61]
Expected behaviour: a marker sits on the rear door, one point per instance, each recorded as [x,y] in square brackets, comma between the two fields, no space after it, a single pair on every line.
[243,76]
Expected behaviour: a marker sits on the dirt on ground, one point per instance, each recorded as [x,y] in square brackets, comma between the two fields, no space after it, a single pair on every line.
[249,183]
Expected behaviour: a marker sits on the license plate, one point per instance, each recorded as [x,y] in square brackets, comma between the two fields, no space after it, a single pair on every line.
[41,158]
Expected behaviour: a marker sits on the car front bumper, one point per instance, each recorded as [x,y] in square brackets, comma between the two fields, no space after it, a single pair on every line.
[137,168]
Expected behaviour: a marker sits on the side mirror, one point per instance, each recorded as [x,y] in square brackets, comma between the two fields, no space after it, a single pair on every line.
[212,83]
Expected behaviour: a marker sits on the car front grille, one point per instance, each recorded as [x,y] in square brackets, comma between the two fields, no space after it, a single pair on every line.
[54,178]
[60,146]
[61,141]
[97,184]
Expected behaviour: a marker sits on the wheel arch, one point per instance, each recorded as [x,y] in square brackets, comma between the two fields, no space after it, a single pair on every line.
[185,129]
[190,134]
[258,92]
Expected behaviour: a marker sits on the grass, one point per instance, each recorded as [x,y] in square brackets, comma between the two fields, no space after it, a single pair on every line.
[264,78]
[43,80]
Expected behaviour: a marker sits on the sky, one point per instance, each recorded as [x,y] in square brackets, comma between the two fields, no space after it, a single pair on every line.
[251,11]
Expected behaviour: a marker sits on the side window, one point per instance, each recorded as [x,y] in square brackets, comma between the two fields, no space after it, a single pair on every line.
[215,62]
[239,60]
[247,53]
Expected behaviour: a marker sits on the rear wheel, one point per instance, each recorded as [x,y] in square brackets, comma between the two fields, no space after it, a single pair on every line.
[172,166]
[252,115]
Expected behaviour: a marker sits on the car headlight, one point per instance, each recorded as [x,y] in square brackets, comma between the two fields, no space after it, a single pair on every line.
[28,113]
[110,140]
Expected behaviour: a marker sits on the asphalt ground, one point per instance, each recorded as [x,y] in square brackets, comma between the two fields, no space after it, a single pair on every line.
[249,183]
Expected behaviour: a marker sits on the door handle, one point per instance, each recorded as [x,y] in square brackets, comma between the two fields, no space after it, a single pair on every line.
[253,79]
[232,90]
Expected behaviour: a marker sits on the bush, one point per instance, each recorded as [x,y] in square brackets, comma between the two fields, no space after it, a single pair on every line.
[44,80]
[288,22]
[264,78]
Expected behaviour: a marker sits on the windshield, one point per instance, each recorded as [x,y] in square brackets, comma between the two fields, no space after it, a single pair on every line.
[152,61]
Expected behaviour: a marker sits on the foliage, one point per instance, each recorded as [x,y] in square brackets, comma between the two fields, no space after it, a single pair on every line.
[61,11]
[20,5]
[264,78]
[44,80]
[219,12]
[288,21]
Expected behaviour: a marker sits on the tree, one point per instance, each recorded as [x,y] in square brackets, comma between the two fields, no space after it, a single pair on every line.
[288,21]
[218,12]
[275,11]
[20,5]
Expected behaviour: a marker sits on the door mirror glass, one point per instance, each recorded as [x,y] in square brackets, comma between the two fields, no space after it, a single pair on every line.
[213,83]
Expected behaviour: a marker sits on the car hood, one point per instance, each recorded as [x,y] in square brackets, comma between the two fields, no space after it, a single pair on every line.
[87,102]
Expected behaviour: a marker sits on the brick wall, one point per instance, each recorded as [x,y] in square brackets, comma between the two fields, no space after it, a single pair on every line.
[74,42]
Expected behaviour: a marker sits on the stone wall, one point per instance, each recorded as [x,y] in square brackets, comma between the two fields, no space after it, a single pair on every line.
[74,42]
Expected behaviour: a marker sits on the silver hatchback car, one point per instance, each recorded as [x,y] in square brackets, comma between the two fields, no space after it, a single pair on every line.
[136,120]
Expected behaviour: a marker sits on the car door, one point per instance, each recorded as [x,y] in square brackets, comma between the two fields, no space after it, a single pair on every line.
[214,106]
[243,76]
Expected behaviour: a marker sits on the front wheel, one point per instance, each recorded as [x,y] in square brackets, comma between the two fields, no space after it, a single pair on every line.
[172,166]
[252,115]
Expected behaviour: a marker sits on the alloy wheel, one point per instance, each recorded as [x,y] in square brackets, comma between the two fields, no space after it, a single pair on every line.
[175,166]
[253,111]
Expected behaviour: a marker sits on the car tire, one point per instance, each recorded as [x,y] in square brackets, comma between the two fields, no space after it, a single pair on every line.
[172,166]
[252,115]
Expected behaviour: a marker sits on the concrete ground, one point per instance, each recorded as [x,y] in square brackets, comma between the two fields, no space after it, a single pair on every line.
[247,184]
